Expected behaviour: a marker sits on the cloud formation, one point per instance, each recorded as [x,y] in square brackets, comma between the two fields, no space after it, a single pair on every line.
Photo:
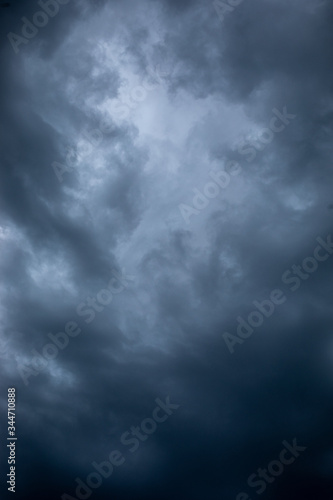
[140,101]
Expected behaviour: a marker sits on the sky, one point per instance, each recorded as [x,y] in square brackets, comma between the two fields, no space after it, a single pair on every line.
[167,248]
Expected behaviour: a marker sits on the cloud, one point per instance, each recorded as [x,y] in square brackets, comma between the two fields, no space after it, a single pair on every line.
[209,87]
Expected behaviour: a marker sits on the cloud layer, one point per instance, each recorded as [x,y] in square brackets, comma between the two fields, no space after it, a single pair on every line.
[136,103]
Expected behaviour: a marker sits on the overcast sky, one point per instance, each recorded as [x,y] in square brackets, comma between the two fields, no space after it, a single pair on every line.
[177,156]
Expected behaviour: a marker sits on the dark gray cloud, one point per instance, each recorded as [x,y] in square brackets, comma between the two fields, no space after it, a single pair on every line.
[137,104]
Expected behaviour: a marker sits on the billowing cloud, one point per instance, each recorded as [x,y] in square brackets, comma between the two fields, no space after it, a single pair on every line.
[165,228]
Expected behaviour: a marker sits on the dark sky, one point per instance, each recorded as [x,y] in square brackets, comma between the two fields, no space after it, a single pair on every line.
[115,119]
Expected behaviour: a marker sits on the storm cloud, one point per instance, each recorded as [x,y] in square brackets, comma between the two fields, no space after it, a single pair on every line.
[167,165]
